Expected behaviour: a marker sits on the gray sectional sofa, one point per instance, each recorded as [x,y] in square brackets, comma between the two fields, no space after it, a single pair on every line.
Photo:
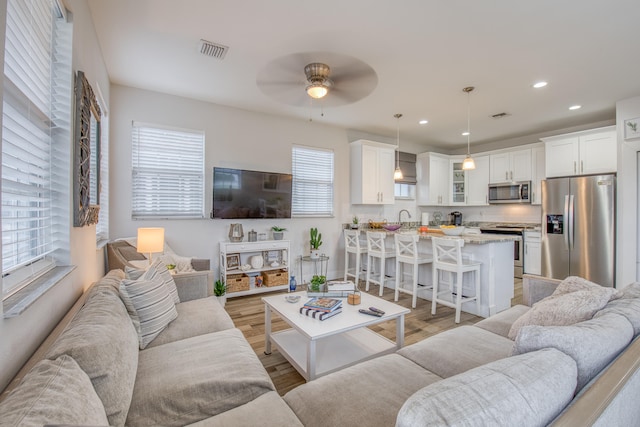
[201,371]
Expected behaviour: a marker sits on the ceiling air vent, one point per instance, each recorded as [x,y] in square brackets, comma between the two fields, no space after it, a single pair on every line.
[212,49]
[499,115]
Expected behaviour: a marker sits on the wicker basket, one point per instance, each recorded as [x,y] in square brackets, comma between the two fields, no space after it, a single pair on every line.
[275,278]
[237,283]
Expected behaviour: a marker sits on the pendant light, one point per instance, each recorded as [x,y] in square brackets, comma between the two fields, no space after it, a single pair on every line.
[468,163]
[397,175]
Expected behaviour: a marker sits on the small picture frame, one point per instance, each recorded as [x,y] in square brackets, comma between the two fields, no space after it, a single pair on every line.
[271,256]
[632,128]
[233,261]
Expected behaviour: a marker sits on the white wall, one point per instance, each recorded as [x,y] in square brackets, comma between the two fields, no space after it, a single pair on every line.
[234,138]
[21,335]
[628,253]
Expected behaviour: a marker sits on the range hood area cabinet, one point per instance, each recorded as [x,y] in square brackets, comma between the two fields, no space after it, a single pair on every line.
[581,153]
[510,166]
[372,166]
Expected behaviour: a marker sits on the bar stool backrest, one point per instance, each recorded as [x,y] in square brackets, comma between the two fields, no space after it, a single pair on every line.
[447,251]
[352,241]
[407,246]
[375,242]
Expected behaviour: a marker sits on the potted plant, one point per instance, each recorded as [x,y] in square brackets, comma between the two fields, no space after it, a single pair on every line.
[354,223]
[315,285]
[278,232]
[220,291]
[315,241]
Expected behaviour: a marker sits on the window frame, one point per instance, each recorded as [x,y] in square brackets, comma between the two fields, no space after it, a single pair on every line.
[312,182]
[154,173]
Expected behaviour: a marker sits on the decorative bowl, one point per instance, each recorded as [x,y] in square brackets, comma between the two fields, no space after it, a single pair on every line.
[377,224]
[455,231]
[391,227]
[292,298]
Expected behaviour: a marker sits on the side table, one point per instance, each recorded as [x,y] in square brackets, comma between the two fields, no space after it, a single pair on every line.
[319,266]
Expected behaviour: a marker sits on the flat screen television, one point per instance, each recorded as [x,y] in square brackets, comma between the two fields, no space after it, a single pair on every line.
[239,193]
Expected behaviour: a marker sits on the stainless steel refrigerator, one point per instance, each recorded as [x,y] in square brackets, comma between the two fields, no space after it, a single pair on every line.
[579,228]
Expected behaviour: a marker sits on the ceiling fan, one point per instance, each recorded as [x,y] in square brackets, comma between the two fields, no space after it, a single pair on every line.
[334,79]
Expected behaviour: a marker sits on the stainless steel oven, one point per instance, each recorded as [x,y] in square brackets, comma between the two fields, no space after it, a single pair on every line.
[518,245]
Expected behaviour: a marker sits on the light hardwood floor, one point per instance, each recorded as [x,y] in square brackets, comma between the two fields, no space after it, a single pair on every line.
[248,315]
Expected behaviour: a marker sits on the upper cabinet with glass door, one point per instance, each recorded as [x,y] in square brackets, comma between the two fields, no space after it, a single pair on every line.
[458,182]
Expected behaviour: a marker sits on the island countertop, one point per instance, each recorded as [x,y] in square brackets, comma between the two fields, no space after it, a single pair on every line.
[477,239]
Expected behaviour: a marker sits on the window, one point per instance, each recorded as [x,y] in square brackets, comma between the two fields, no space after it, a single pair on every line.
[406,187]
[168,173]
[35,141]
[312,182]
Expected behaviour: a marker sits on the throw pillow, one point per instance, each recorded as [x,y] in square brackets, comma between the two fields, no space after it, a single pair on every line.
[628,305]
[133,273]
[527,390]
[54,392]
[150,306]
[592,343]
[564,308]
[158,271]
[576,283]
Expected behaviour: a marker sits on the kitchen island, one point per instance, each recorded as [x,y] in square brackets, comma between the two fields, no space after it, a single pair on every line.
[495,252]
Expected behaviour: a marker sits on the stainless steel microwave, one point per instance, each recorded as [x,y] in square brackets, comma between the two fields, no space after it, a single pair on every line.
[510,192]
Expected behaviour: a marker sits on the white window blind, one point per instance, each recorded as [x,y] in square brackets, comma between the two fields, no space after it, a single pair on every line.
[312,170]
[168,172]
[32,120]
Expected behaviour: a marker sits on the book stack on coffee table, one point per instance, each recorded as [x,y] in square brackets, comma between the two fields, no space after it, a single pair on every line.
[322,308]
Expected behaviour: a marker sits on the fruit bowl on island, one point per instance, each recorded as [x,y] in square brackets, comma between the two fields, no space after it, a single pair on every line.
[452,230]
[391,227]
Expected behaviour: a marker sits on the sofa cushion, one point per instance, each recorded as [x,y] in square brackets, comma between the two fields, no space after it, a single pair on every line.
[592,343]
[501,323]
[110,282]
[104,343]
[366,394]
[526,390]
[158,271]
[150,306]
[267,410]
[564,307]
[196,317]
[457,350]
[576,283]
[628,305]
[53,392]
[189,380]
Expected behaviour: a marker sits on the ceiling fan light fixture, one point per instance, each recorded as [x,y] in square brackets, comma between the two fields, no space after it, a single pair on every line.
[317,90]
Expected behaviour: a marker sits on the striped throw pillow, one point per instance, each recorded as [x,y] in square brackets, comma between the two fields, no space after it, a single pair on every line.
[159,271]
[150,306]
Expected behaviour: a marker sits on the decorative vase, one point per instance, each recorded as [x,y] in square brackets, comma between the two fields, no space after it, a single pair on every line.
[278,235]
[222,299]
[292,284]
[257,261]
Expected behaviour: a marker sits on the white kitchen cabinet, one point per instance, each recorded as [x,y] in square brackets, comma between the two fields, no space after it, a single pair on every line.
[581,153]
[432,172]
[372,166]
[537,174]
[533,252]
[510,166]
[478,182]
[457,182]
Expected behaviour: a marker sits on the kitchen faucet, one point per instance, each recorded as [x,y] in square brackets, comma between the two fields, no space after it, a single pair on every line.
[400,215]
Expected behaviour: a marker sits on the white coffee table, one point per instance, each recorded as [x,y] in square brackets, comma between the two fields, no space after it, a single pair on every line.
[316,348]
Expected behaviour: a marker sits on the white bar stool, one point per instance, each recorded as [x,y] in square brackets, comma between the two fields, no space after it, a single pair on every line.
[353,245]
[447,256]
[376,249]
[407,253]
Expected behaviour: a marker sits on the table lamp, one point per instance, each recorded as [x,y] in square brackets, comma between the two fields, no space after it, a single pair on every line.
[150,240]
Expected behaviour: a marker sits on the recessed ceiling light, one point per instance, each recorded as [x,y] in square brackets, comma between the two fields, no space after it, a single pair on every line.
[466,133]
[423,122]
[575,107]
[538,85]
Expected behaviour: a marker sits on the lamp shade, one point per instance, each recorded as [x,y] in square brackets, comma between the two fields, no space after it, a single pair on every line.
[150,240]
